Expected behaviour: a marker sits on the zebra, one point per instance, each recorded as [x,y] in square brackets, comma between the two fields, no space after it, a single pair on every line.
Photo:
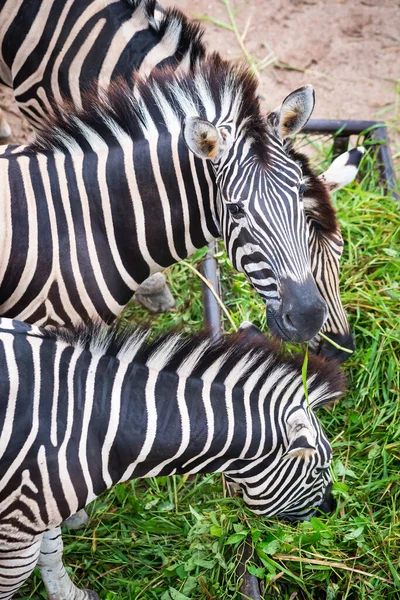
[97,406]
[326,245]
[52,51]
[139,180]
[138,34]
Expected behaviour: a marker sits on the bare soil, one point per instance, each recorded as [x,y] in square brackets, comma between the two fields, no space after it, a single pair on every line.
[349,50]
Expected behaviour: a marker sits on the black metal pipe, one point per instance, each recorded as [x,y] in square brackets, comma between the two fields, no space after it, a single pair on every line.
[212,312]
[375,131]
[380,136]
[250,585]
[336,125]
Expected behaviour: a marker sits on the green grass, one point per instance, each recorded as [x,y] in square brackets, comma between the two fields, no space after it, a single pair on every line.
[171,540]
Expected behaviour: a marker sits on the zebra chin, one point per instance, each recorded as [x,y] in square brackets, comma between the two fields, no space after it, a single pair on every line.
[324,348]
[327,506]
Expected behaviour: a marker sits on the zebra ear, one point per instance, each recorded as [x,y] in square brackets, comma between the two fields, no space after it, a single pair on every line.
[204,139]
[295,111]
[343,169]
[301,435]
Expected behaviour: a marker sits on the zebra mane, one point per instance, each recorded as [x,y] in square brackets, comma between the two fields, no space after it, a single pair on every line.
[160,103]
[321,210]
[171,23]
[194,354]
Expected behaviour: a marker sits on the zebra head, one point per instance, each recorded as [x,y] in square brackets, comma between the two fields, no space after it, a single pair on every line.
[292,480]
[326,247]
[261,214]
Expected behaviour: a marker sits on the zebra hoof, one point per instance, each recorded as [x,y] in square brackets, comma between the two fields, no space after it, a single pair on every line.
[90,595]
[79,519]
[154,294]
[5,129]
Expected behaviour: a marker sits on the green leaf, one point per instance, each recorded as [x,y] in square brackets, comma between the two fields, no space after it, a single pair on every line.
[270,547]
[199,253]
[340,488]
[256,571]
[189,585]
[354,534]
[197,515]
[390,252]
[395,574]
[374,452]
[175,595]
[236,538]
[215,531]
[206,564]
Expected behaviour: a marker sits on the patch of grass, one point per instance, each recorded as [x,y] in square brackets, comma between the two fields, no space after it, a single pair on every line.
[171,539]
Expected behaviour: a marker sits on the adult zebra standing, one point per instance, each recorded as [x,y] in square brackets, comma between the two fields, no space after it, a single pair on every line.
[64,47]
[138,181]
[98,407]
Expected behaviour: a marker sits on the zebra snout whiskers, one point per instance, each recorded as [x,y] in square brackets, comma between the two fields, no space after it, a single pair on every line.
[301,312]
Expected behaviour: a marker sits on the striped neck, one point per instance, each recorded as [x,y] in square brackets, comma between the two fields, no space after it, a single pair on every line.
[170,424]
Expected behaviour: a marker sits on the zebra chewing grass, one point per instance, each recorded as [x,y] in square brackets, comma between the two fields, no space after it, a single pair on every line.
[83,410]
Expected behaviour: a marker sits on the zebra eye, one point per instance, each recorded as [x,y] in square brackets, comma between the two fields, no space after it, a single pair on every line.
[235,209]
[302,189]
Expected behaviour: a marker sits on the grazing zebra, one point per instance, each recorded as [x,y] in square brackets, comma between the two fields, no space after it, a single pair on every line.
[139,180]
[83,410]
[58,52]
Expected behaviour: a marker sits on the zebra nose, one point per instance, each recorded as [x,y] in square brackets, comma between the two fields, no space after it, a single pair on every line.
[303,310]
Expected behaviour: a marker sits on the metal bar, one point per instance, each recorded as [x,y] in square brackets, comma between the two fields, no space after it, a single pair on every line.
[379,135]
[340,145]
[346,128]
[212,313]
[375,131]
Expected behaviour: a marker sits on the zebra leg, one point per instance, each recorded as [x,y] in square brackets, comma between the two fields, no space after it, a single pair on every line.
[77,520]
[154,294]
[16,566]
[5,130]
[56,579]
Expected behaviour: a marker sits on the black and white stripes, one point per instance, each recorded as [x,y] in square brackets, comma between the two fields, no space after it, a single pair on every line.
[83,411]
[109,195]
[50,50]
[60,50]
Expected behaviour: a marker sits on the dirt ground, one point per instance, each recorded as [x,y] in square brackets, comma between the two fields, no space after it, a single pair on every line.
[348,49]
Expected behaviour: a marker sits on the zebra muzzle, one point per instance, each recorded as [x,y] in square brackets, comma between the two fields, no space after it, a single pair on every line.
[301,313]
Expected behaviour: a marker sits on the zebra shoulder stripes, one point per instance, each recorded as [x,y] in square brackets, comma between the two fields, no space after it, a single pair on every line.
[139,180]
[144,409]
